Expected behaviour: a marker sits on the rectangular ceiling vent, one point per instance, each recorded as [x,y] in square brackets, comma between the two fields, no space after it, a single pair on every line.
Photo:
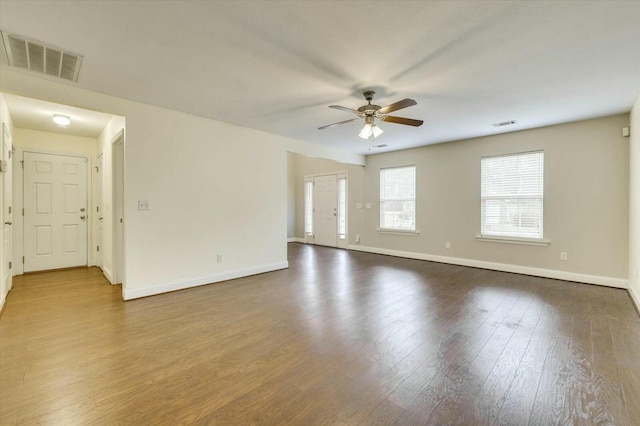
[504,123]
[382,145]
[36,56]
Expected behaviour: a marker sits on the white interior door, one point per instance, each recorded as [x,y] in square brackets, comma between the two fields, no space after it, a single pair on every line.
[100,220]
[7,213]
[55,211]
[326,210]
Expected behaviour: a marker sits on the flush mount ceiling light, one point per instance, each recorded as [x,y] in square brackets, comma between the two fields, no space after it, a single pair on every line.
[61,120]
[370,112]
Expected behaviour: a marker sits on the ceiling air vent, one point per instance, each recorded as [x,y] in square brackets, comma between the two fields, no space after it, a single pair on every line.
[36,56]
[382,145]
[504,123]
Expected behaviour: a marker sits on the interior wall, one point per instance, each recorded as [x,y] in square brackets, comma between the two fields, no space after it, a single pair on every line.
[585,210]
[5,118]
[634,204]
[306,166]
[213,188]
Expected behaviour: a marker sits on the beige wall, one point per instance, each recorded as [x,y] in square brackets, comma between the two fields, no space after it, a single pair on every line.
[634,205]
[586,199]
[306,166]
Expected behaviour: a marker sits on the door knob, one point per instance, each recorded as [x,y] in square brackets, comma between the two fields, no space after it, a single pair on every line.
[7,223]
[82,217]
[100,218]
[82,209]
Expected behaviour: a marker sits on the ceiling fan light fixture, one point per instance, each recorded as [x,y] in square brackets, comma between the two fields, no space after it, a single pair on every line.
[370,131]
[61,120]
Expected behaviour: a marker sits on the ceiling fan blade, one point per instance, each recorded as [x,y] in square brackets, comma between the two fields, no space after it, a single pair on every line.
[398,105]
[339,123]
[401,120]
[341,108]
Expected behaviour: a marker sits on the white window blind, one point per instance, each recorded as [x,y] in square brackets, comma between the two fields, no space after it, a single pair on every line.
[308,208]
[342,208]
[398,198]
[512,193]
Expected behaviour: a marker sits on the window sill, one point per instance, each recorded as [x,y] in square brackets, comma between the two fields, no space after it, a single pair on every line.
[397,232]
[513,240]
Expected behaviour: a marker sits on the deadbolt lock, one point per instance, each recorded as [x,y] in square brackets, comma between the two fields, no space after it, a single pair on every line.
[82,209]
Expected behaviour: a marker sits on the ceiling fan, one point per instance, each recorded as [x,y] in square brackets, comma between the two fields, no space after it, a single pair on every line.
[370,112]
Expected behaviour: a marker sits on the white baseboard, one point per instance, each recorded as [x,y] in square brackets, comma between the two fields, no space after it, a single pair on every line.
[107,275]
[295,240]
[2,299]
[635,298]
[136,293]
[504,267]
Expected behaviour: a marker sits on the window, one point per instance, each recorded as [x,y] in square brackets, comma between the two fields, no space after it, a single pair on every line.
[308,208]
[342,208]
[398,198]
[512,195]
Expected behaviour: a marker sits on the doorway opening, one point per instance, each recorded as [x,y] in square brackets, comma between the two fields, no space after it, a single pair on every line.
[325,210]
[63,186]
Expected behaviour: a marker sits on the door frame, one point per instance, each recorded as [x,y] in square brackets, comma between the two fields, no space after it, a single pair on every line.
[310,239]
[118,211]
[18,197]
[19,251]
[99,213]
[6,178]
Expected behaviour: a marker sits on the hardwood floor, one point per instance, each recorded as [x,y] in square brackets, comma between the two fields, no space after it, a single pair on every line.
[338,338]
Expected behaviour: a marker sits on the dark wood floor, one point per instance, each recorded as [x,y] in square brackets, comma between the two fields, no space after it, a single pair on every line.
[338,338]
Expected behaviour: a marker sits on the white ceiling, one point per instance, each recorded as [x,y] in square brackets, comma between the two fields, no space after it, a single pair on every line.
[278,65]
[35,114]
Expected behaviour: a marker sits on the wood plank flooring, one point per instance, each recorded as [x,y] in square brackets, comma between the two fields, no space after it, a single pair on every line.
[338,338]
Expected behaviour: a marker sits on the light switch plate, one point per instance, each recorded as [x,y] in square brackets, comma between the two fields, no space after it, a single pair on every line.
[143,205]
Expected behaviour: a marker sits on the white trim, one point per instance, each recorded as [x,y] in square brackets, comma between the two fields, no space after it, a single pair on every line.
[512,240]
[634,298]
[2,300]
[295,240]
[128,294]
[397,232]
[107,274]
[504,267]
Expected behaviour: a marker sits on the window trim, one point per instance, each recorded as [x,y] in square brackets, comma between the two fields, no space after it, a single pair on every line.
[507,239]
[398,231]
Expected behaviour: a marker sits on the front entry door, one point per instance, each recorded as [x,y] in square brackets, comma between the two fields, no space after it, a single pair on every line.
[55,211]
[326,210]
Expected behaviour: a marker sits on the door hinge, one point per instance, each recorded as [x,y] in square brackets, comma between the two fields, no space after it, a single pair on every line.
[10,265]
[22,259]
[22,163]
[9,209]
[97,248]
[22,212]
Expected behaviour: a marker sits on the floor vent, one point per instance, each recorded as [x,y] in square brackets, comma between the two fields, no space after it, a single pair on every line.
[36,56]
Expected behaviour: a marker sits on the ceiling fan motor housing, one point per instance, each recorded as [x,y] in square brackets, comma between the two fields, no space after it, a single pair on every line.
[369,109]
